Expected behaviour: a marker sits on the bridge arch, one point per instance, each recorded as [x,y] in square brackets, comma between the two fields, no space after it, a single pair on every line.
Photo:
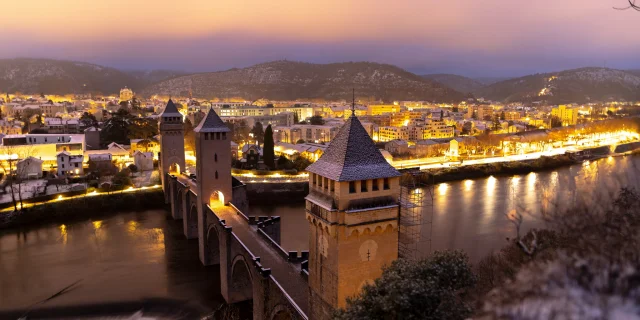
[241,280]
[179,202]
[281,312]
[191,221]
[213,245]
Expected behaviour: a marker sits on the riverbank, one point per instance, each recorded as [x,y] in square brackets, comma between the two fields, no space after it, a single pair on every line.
[432,176]
[83,207]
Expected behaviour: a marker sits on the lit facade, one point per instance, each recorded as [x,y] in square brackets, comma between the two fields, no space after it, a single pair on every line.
[126,94]
[566,114]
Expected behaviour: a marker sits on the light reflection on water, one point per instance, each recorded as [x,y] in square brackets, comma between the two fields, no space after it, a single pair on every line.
[471,214]
[127,257]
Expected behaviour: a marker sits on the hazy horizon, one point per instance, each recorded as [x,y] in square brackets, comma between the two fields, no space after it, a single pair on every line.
[494,38]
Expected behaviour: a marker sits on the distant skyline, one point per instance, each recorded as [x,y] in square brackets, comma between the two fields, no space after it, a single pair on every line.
[490,38]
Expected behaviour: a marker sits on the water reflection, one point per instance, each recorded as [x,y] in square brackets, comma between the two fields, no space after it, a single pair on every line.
[127,257]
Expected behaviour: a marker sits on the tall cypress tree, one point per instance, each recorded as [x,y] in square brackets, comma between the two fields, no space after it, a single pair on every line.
[268,155]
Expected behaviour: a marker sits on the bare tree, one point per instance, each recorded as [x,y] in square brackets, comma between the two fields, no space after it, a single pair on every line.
[11,156]
[632,5]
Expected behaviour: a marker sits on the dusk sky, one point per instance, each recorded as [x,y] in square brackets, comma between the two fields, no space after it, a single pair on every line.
[469,37]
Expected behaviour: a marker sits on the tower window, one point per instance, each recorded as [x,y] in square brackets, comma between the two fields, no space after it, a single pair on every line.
[374,185]
[215,157]
[217,135]
[363,185]
[224,136]
[216,174]
[352,187]
[313,177]
[333,186]
[386,184]
[326,183]
[320,182]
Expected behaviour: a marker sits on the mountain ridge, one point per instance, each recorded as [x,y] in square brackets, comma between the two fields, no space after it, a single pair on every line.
[573,85]
[291,80]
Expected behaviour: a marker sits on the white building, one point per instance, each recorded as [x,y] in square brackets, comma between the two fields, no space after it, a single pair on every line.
[29,168]
[143,160]
[69,164]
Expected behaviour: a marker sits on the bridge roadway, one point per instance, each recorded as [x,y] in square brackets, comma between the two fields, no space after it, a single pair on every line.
[286,274]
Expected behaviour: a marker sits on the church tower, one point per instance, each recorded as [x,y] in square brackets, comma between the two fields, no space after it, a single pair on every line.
[352,209]
[213,169]
[171,142]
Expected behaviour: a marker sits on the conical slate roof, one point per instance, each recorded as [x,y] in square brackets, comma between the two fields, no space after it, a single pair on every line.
[171,110]
[211,123]
[352,155]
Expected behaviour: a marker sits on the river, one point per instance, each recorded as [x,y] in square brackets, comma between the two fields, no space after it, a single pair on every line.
[138,255]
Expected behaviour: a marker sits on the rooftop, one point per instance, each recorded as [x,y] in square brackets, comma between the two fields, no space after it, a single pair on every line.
[212,123]
[352,155]
[171,110]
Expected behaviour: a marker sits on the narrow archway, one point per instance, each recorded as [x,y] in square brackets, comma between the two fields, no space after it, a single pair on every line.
[216,199]
[241,280]
[174,168]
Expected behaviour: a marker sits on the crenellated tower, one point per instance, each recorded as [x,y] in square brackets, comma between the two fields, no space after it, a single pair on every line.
[352,209]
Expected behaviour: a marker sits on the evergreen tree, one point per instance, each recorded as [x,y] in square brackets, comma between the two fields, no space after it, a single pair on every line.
[258,132]
[268,155]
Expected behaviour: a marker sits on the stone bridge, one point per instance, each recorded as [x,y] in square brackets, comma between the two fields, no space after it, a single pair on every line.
[253,266]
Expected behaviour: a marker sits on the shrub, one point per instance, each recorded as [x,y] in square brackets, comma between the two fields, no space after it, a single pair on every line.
[431,288]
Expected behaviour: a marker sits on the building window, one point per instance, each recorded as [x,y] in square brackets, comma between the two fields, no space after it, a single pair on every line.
[386,184]
[63,166]
[320,182]
[224,136]
[215,157]
[333,186]
[363,185]
[352,187]
[326,183]
[216,174]
[217,135]
[374,185]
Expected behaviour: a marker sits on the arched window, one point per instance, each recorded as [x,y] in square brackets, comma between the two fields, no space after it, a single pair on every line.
[215,157]
[216,174]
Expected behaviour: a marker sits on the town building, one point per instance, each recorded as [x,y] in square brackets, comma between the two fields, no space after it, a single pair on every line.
[102,163]
[392,133]
[51,109]
[126,94]
[29,168]
[566,114]
[44,146]
[10,127]
[143,160]
[302,112]
[438,129]
[69,165]
[379,109]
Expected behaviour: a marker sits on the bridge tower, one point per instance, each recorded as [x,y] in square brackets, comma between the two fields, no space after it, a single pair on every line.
[352,208]
[171,143]
[213,172]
